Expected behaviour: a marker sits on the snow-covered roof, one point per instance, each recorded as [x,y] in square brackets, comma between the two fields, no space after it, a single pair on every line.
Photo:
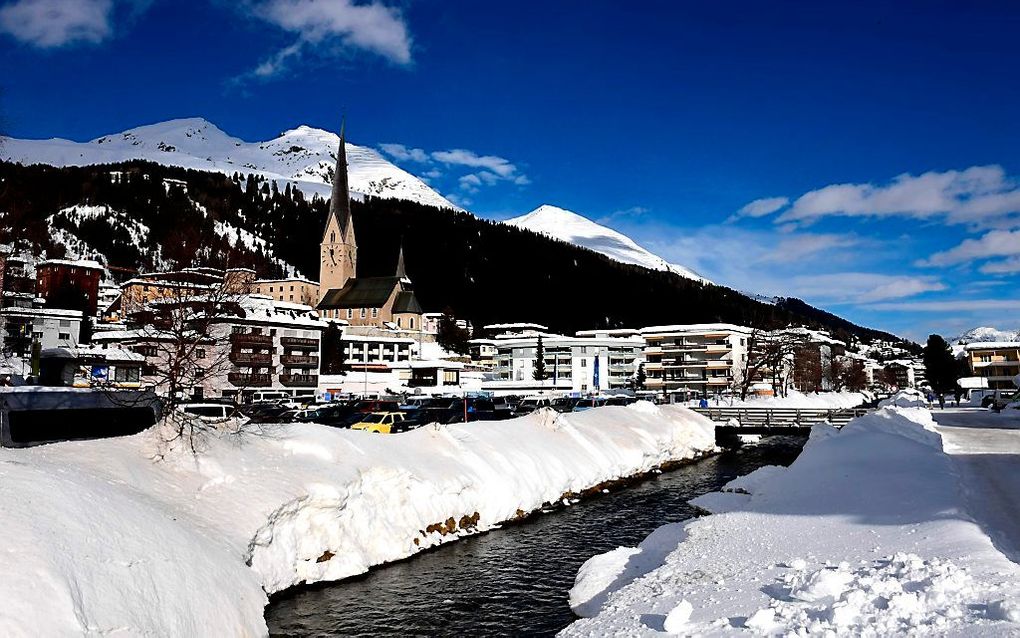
[80,263]
[991,345]
[92,352]
[515,326]
[613,332]
[696,327]
[302,280]
[56,313]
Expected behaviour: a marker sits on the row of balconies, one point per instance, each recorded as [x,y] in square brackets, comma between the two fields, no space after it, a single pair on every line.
[264,380]
[265,359]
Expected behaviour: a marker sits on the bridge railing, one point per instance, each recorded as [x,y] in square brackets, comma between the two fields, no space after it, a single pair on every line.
[781,417]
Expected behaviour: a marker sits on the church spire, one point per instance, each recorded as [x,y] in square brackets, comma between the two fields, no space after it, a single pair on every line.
[340,201]
[401,270]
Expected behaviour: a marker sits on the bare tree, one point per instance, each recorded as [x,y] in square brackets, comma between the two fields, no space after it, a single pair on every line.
[185,335]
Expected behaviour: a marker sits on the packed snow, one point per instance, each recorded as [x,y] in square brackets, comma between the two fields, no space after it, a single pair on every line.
[305,156]
[867,533]
[569,227]
[127,535]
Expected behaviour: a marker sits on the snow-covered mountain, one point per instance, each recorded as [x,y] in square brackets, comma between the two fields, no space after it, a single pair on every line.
[986,333]
[576,229]
[304,155]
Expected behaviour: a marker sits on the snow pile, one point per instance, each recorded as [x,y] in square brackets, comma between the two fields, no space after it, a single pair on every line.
[865,534]
[569,227]
[907,398]
[102,537]
[795,399]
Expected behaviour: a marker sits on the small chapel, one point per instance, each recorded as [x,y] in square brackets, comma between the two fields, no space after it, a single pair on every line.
[384,302]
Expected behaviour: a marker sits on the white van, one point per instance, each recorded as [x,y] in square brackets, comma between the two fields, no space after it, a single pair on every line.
[211,412]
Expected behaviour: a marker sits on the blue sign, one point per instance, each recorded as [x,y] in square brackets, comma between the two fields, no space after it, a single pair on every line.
[100,373]
[327,396]
[595,374]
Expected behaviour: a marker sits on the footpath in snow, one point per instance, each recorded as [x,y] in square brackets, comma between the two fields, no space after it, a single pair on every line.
[101,538]
[869,532]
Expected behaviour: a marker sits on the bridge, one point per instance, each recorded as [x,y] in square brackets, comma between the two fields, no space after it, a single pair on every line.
[773,421]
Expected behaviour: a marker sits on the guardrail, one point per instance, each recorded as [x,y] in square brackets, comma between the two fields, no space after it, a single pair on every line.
[781,417]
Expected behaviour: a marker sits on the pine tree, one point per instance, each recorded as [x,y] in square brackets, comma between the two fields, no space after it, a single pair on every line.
[539,373]
[333,360]
[939,365]
[450,336]
[640,378]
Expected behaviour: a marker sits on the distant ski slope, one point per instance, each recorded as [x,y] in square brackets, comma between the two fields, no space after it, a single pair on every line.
[576,229]
[304,155]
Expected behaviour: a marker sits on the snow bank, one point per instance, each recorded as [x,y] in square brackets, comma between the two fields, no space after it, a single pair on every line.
[101,537]
[907,398]
[865,534]
[795,399]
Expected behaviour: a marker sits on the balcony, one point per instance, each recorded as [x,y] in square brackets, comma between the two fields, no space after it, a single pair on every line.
[249,339]
[300,360]
[719,347]
[299,380]
[251,358]
[250,380]
[299,342]
[718,364]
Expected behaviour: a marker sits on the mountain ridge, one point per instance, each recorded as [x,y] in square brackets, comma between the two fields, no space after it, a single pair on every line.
[303,155]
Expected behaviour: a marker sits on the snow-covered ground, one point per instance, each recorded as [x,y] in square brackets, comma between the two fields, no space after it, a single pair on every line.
[124,536]
[869,532]
[794,399]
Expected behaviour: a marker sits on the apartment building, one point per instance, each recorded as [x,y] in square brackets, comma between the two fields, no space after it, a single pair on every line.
[20,327]
[376,353]
[694,360]
[292,289]
[62,282]
[261,345]
[179,284]
[996,362]
[589,362]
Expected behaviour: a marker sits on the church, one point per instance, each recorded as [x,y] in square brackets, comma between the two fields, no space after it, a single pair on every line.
[384,302]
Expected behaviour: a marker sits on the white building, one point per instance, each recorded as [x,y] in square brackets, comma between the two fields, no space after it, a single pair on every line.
[50,327]
[589,362]
[696,359]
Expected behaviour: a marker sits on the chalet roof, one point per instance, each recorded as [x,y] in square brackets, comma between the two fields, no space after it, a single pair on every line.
[370,292]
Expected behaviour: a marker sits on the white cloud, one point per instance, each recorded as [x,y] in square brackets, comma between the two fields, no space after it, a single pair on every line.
[861,287]
[955,305]
[403,153]
[981,196]
[796,248]
[463,157]
[331,27]
[996,243]
[1004,267]
[470,183]
[626,213]
[56,23]
[760,207]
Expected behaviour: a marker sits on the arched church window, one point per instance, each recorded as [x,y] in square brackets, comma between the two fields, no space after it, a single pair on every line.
[332,237]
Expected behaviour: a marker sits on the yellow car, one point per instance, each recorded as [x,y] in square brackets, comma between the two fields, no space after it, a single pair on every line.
[381,423]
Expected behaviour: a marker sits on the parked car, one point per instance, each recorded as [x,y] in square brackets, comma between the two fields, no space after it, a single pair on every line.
[414,403]
[530,404]
[564,404]
[588,404]
[377,405]
[381,423]
[488,410]
[211,412]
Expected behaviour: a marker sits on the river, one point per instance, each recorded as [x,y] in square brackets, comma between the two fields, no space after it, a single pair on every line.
[511,581]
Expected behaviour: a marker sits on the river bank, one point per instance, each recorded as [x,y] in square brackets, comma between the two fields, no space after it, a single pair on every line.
[868,531]
[191,544]
[512,580]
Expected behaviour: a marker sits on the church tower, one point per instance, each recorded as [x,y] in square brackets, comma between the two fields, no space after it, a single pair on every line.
[338,257]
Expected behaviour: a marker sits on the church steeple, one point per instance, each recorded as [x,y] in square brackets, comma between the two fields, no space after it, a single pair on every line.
[401,270]
[338,258]
[340,200]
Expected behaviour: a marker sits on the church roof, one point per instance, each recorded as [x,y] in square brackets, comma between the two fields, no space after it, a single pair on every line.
[371,292]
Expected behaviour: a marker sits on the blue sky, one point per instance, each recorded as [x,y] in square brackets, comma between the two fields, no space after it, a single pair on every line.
[862,157]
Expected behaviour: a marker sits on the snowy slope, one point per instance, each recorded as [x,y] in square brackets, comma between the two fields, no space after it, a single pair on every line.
[985,333]
[572,228]
[303,155]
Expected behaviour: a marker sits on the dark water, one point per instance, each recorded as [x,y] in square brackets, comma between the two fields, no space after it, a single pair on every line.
[512,581]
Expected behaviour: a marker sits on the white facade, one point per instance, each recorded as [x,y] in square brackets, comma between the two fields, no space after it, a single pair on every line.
[570,362]
[379,353]
[694,359]
[50,327]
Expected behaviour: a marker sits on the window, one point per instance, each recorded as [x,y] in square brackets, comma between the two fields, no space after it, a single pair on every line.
[64,323]
[64,336]
[292,296]
[375,312]
[584,363]
[410,323]
[200,353]
[350,313]
[398,322]
[270,289]
[363,313]
[292,290]
[37,336]
[129,374]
